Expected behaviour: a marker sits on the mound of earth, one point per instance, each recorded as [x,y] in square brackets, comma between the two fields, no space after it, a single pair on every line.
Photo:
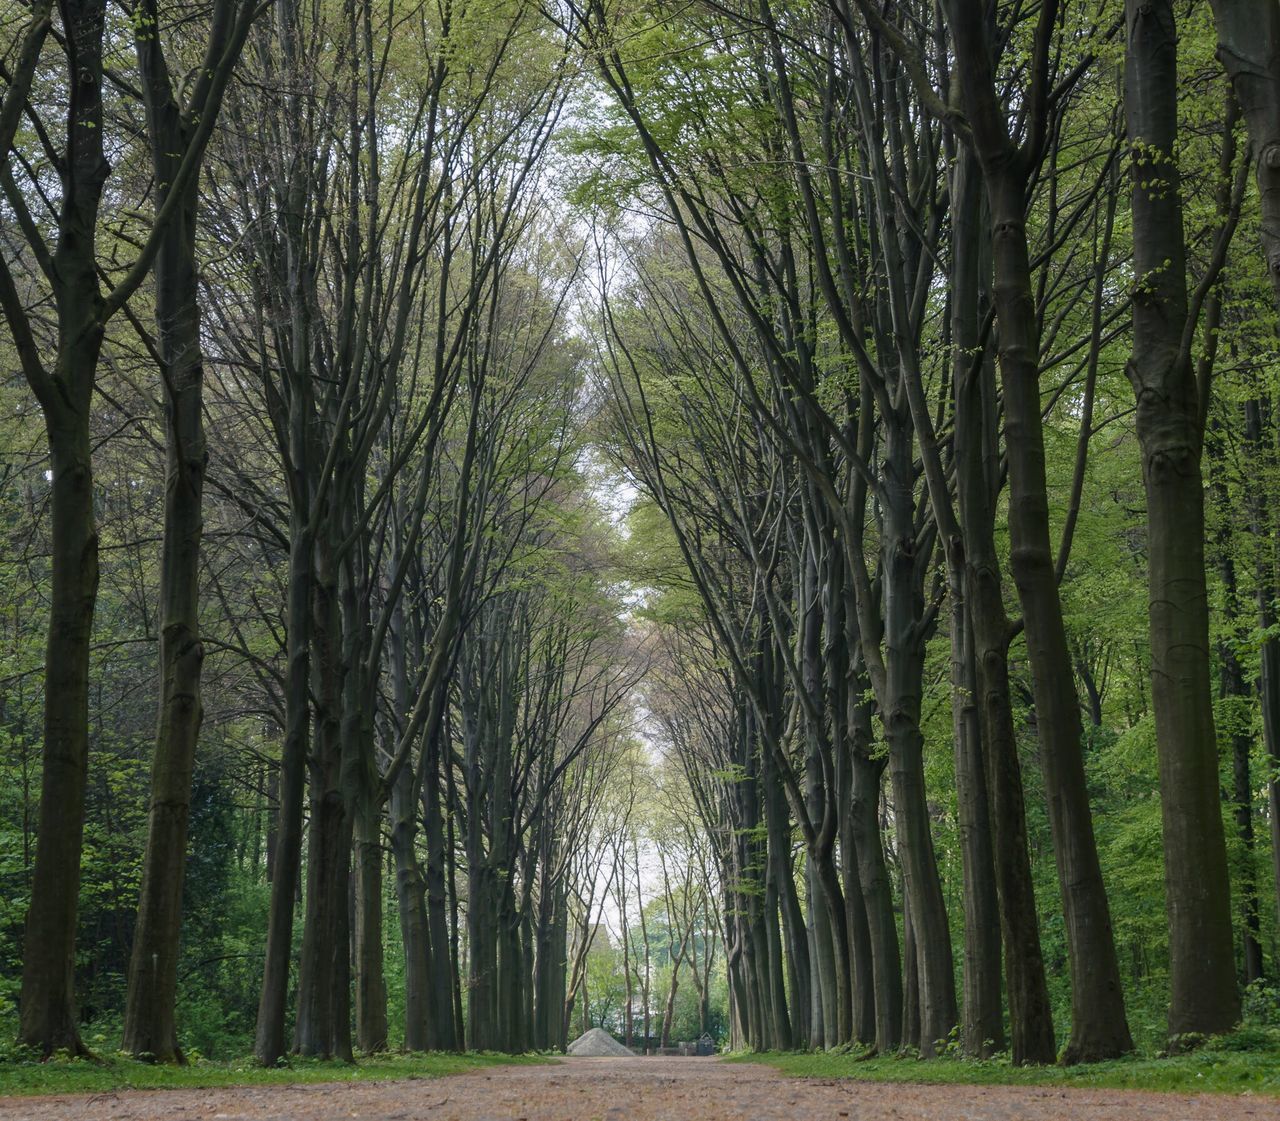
[598,1044]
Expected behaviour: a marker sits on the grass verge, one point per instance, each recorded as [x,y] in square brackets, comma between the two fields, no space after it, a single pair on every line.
[114,1072]
[1230,1064]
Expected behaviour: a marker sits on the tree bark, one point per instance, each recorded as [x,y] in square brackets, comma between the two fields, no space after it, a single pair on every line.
[48,1019]
[46,1003]
[977,474]
[1260,446]
[1205,998]
[150,1020]
[1099,1029]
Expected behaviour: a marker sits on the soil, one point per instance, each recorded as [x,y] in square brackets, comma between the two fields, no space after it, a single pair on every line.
[636,1089]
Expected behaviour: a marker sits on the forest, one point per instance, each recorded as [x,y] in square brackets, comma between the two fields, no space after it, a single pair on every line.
[715,517]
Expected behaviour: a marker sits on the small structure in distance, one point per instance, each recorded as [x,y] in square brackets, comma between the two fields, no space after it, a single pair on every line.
[598,1044]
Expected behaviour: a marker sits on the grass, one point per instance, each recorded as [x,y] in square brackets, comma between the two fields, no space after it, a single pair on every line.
[1246,1062]
[114,1072]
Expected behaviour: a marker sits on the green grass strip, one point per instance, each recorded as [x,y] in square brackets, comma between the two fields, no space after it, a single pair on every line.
[1236,1064]
[114,1072]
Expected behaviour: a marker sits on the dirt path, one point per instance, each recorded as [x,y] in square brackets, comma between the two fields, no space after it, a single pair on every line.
[635,1090]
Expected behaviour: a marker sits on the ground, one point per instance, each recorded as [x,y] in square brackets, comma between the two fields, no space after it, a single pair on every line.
[636,1090]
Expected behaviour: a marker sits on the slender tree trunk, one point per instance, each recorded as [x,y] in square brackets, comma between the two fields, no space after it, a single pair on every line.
[440,1009]
[982,1026]
[1232,687]
[320,1003]
[371,986]
[877,891]
[411,896]
[47,1003]
[900,707]
[269,1042]
[1248,32]
[1237,700]
[977,469]
[150,1026]
[409,881]
[910,978]
[1099,1029]
[1260,445]
[150,1013]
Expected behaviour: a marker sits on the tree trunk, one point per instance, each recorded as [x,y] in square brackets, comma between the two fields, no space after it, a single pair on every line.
[977,475]
[900,708]
[371,986]
[1260,445]
[440,1010]
[910,978]
[1248,34]
[269,1041]
[411,897]
[47,1003]
[1099,1029]
[1205,998]
[982,1026]
[47,1009]
[150,1020]
[877,893]
[1236,698]
[320,1002]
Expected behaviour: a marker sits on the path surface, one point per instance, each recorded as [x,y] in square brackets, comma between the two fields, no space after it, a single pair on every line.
[636,1090]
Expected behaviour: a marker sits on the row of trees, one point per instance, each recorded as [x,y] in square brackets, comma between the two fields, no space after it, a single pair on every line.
[287,288]
[936,344]
[647,944]
[909,281]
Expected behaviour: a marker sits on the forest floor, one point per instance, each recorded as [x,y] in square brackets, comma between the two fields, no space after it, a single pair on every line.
[638,1089]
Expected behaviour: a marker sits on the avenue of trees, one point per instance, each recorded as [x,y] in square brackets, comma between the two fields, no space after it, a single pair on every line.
[729,518]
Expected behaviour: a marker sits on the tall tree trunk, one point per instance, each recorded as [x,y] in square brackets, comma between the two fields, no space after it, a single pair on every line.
[1099,1029]
[1260,445]
[269,1040]
[47,1009]
[1236,697]
[302,466]
[150,1019]
[977,468]
[1248,35]
[910,978]
[982,1025]
[371,986]
[411,893]
[320,1001]
[900,708]
[440,1009]
[877,892]
[47,1006]
[1205,997]
[410,883]
[1232,687]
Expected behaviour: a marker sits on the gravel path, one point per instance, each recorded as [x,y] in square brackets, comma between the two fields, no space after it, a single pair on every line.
[636,1090]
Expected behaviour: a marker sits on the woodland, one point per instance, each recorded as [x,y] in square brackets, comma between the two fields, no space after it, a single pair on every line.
[716,518]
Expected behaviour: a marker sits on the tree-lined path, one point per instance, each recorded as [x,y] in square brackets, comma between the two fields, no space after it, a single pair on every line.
[640,1089]
[740,519]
